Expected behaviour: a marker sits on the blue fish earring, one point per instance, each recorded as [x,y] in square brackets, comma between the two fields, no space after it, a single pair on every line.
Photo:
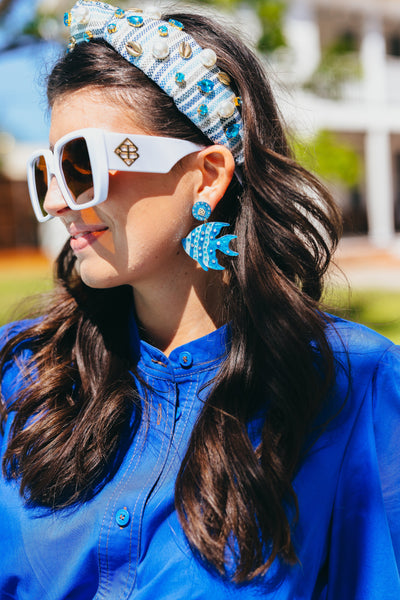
[201,244]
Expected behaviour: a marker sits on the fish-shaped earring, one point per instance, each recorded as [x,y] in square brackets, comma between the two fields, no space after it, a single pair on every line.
[202,243]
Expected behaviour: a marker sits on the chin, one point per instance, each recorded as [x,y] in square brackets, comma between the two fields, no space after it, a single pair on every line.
[99,278]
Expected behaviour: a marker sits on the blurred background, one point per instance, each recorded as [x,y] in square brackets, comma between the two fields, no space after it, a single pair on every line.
[335,69]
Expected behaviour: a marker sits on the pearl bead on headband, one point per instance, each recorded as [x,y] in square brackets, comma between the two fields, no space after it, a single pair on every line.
[172,59]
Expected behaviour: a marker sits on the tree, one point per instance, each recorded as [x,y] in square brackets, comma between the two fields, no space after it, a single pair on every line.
[46,21]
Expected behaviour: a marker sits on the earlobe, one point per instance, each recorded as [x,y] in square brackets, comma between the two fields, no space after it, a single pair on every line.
[217,166]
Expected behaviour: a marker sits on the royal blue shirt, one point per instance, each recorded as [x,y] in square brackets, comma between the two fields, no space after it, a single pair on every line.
[127,542]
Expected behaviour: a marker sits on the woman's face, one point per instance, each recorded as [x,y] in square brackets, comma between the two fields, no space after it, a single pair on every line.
[134,237]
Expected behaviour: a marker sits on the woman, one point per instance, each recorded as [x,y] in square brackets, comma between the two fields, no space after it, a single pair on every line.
[181,422]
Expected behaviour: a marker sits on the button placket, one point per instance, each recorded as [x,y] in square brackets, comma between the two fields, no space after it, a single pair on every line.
[147,477]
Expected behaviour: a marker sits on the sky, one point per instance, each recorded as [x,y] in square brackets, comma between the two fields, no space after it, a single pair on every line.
[23,71]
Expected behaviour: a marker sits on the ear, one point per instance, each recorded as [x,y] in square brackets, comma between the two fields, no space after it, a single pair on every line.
[216,167]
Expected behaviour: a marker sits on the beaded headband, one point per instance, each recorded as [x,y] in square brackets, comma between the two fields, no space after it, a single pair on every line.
[172,59]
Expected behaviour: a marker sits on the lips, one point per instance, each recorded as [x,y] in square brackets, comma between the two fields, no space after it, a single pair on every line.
[78,232]
[82,238]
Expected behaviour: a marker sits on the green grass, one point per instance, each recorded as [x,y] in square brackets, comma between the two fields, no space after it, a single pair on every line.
[378,309]
[17,293]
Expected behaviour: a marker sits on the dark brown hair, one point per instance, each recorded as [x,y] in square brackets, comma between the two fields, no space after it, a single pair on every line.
[63,441]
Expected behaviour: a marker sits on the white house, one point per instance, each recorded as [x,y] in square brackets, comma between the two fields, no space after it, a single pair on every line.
[368,111]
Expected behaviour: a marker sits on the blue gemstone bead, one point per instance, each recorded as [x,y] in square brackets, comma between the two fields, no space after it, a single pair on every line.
[135,21]
[163,30]
[232,131]
[203,110]
[180,78]
[206,86]
[119,13]
[67,19]
[175,23]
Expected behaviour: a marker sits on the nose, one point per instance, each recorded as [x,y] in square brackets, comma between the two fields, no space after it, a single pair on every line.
[54,203]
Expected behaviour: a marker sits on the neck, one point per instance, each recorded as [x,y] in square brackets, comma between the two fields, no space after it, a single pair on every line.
[170,316]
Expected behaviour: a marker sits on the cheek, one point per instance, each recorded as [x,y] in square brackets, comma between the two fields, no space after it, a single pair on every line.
[143,218]
[89,216]
[92,217]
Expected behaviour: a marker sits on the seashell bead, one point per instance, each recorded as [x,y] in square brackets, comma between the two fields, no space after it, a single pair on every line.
[72,44]
[134,48]
[223,78]
[185,50]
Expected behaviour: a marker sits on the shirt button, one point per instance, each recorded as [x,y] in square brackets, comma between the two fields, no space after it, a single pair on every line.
[122,517]
[185,359]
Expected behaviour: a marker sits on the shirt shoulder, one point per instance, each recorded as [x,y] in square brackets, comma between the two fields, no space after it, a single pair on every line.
[355,339]
[9,330]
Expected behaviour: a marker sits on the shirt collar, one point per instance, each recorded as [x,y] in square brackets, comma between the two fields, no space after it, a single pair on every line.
[202,353]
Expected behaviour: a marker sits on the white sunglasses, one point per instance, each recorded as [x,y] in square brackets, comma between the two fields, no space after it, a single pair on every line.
[82,159]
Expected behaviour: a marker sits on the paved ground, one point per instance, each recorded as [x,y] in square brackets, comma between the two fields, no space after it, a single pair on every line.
[23,260]
[366,266]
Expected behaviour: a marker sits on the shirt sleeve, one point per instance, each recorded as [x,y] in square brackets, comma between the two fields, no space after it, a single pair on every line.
[11,378]
[364,554]
[386,394]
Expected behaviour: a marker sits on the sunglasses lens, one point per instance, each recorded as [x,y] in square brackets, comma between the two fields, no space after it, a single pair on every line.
[77,170]
[41,181]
